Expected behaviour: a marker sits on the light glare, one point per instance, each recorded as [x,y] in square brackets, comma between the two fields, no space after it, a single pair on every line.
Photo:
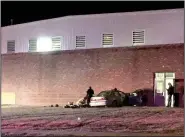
[44,44]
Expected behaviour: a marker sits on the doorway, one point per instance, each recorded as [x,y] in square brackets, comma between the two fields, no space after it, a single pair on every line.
[161,81]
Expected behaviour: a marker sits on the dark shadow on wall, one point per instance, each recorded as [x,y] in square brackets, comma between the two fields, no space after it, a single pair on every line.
[147,96]
[179,92]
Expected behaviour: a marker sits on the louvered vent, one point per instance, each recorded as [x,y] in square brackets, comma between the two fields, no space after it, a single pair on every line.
[11,46]
[56,43]
[33,45]
[138,37]
[80,41]
[107,39]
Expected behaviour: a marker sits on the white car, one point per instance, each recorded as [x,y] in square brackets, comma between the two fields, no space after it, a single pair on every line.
[109,98]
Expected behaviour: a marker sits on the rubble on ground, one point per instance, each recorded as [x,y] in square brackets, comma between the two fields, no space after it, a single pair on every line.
[81,103]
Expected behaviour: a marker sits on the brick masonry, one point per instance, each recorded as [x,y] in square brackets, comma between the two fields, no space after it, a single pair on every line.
[60,77]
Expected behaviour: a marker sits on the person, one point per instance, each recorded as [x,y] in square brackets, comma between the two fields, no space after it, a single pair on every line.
[170,94]
[90,93]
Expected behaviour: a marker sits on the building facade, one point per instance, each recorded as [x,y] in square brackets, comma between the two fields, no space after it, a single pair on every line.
[55,61]
[96,31]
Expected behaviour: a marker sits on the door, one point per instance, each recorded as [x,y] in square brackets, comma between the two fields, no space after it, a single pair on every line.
[159,89]
[116,96]
[122,96]
[168,80]
[161,86]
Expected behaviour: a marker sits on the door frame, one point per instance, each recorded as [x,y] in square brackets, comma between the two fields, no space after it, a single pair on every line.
[154,82]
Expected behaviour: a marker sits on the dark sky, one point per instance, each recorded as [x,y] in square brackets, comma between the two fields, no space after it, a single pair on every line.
[24,11]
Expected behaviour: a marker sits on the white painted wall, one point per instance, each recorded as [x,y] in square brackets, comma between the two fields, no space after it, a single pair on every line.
[161,27]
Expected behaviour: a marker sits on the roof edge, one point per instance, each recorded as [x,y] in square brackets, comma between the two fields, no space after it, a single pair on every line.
[101,14]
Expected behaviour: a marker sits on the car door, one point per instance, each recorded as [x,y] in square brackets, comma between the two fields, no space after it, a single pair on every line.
[122,96]
[118,97]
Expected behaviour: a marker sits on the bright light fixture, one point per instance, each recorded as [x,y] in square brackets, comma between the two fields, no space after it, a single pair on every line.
[44,44]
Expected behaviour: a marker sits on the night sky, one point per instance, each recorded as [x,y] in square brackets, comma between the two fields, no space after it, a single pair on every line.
[24,11]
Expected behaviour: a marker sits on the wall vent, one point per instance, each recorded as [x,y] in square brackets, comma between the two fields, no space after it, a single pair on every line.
[80,41]
[138,37]
[56,43]
[11,46]
[33,45]
[107,39]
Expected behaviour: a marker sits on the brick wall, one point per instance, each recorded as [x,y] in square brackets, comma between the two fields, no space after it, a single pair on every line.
[50,78]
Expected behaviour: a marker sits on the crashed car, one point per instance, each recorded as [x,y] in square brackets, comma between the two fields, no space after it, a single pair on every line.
[135,100]
[110,98]
[139,97]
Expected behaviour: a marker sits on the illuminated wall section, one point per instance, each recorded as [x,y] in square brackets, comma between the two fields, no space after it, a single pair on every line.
[8,98]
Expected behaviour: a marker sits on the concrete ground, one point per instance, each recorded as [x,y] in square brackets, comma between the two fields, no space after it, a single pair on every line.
[124,121]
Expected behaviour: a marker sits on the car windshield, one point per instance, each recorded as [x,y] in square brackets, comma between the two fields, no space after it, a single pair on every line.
[104,94]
